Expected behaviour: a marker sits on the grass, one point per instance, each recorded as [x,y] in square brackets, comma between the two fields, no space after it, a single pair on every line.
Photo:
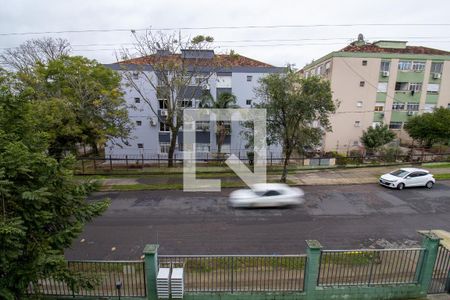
[437,165]
[444,176]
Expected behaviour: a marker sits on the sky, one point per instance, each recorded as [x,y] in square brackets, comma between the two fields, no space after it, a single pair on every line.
[277,46]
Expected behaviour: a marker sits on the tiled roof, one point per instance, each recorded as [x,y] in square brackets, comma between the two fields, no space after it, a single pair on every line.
[372,48]
[219,60]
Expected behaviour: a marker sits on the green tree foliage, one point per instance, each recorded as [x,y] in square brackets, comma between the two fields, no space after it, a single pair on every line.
[375,137]
[42,207]
[82,100]
[293,105]
[430,128]
[224,101]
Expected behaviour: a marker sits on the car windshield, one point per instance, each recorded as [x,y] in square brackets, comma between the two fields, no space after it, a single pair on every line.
[399,173]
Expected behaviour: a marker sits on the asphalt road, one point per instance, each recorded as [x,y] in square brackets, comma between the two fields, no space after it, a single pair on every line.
[340,217]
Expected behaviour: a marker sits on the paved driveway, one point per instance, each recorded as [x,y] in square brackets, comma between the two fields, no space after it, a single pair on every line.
[347,216]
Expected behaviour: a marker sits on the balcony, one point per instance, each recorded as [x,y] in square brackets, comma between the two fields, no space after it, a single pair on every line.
[407,96]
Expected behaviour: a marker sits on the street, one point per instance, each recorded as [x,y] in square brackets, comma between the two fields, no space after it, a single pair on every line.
[340,217]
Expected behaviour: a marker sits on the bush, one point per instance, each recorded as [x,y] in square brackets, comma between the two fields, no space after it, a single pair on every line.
[389,154]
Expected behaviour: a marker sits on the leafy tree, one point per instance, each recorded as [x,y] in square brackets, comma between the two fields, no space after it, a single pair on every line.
[430,128]
[293,106]
[42,207]
[375,137]
[224,101]
[83,101]
[176,79]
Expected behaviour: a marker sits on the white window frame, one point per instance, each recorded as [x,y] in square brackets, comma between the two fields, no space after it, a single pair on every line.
[382,87]
[433,88]
[202,125]
[378,105]
[202,147]
[398,106]
[434,65]
[397,123]
[383,65]
[415,86]
[404,65]
[359,104]
[164,147]
[163,127]
[429,107]
[357,124]
[418,66]
[412,106]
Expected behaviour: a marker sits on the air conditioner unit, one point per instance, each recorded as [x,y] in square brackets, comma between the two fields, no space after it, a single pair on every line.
[436,75]
[410,113]
[205,86]
[164,113]
[385,73]
[152,121]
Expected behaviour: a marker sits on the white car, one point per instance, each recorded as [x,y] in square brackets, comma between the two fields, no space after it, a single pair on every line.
[407,177]
[267,195]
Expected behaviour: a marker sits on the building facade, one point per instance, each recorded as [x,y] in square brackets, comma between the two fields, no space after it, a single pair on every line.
[235,74]
[381,82]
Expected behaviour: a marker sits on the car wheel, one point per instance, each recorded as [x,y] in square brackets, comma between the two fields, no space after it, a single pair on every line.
[429,184]
[401,186]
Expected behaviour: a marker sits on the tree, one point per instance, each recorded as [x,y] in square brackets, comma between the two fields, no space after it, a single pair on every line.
[176,78]
[25,57]
[42,207]
[293,106]
[82,100]
[375,137]
[430,128]
[224,101]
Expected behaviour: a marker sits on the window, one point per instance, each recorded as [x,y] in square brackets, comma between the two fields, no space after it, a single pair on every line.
[448,106]
[418,66]
[138,123]
[416,86]
[359,104]
[375,124]
[362,83]
[164,147]
[318,70]
[140,146]
[184,103]
[433,88]
[327,65]
[436,67]
[404,65]
[364,62]
[163,127]
[137,100]
[355,143]
[135,75]
[379,106]
[429,108]
[271,193]
[357,123]
[202,125]
[248,102]
[398,106]
[401,86]
[384,67]
[412,107]
[162,104]
[249,77]
[202,147]
[382,87]
[395,125]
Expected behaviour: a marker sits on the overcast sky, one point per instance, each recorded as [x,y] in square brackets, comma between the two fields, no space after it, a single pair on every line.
[302,45]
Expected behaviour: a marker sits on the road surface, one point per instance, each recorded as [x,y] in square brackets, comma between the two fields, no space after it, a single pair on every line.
[340,217]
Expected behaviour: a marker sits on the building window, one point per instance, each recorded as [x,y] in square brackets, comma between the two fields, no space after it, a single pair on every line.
[404,65]
[364,62]
[448,105]
[357,123]
[164,147]
[362,83]
[202,126]
[416,86]
[162,104]
[184,103]
[355,143]
[249,77]
[436,67]
[382,87]
[418,66]
[136,75]
[384,67]
[140,146]
[327,66]
[359,104]
[412,107]
[379,106]
[137,100]
[248,102]
[429,108]
[433,88]
[395,125]
[202,147]
[138,123]
[163,127]
[398,106]
[375,124]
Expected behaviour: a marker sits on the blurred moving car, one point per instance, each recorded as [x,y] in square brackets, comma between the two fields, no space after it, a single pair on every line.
[407,177]
[267,195]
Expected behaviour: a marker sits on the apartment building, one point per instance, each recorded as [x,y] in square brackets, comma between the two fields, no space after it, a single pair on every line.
[381,82]
[235,74]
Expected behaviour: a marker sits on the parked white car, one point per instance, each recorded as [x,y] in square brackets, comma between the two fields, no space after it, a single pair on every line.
[407,177]
[267,195]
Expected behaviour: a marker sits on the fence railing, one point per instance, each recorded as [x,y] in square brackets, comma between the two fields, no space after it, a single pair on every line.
[103,275]
[233,273]
[369,267]
[440,281]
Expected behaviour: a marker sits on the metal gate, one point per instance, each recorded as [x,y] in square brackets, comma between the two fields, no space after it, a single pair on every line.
[440,282]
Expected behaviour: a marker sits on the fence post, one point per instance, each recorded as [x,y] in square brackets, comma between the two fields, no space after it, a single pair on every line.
[142,161]
[151,270]
[312,267]
[110,163]
[126,161]
[431,244]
